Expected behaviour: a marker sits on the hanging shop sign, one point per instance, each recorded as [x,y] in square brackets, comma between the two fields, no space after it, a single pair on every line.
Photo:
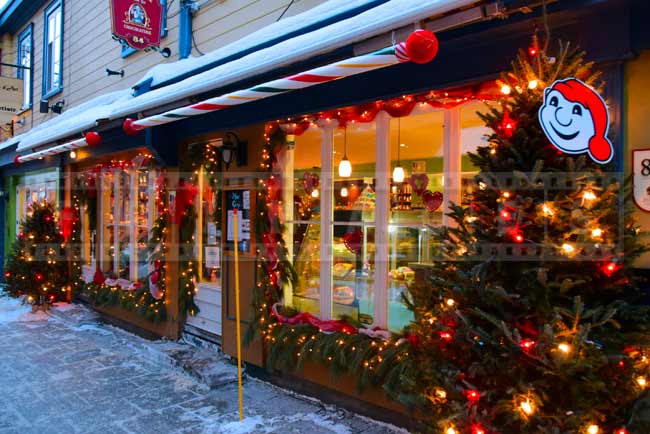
[137,22]
[641,178]
[11,98]
[575,119]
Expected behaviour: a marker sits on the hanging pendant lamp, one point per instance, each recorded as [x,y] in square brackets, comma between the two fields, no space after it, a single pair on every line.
[345,167]
[398,171]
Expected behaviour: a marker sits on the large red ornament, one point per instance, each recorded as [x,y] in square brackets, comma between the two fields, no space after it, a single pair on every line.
[93,139]
[422,46]
[129,128]
[413,340]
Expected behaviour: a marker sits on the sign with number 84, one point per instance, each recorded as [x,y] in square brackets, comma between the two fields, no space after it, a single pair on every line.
[641,178]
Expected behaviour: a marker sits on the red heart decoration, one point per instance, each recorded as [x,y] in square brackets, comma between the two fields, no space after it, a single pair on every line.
[432,200]
[419,183]
[310,181]
[354,241]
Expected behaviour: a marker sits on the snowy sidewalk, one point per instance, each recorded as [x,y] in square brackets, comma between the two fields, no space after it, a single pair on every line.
[67,373]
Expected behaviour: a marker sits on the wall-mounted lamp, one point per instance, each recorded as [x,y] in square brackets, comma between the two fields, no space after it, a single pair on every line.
[234,149]
[57,108]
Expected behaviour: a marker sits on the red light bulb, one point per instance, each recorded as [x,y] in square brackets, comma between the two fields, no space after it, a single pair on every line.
[532,50]
[478,429]
[518,237]
[610,268]
[527,344]
[445,336]
[473,396]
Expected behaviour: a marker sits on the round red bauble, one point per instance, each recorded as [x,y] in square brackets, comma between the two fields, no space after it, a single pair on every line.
[21,236]
[93,139]
[413,340]
[155,277]
[7,274]
[17,160]
[38,276]
[157,263]
[129,128]
[422,46]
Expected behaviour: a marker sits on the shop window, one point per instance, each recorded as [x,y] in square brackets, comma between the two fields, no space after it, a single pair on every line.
[355,240]
[354,198]
[33,190]
[209,225]
[53,49]
[25,56]
[302,212]
[127,214]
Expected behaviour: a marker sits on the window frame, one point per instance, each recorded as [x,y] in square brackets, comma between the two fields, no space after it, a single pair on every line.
[26,34]
[128,50]
[51,9]
[452,171]
[132,227]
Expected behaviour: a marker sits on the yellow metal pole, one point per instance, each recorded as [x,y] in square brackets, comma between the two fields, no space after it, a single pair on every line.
[237,315]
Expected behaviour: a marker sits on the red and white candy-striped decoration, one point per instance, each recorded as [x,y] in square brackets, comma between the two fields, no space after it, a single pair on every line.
[90,139]
[420,47]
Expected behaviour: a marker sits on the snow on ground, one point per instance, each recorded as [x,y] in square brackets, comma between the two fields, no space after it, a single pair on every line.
[12,309]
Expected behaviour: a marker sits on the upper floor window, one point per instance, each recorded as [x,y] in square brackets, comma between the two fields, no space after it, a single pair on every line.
[25,53]
[53,49]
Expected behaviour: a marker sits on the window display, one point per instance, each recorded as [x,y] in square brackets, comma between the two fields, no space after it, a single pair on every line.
[426,161]
[127,214]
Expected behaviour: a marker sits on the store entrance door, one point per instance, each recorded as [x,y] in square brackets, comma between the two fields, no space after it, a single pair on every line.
[207,323]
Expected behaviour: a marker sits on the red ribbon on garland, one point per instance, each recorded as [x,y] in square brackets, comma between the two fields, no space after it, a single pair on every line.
[304,318]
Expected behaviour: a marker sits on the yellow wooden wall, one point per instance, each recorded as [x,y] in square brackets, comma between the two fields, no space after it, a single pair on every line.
[637,116]
[88,48]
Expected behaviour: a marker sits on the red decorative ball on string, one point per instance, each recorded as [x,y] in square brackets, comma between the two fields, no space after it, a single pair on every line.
[129,128]
[21,236]
[7,275]
[155,277]
[38,276]
[157,263]
[413,340]
[93,139]
[422,46]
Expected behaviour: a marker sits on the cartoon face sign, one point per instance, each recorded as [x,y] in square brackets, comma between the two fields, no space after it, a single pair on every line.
[575,119]
[137,15]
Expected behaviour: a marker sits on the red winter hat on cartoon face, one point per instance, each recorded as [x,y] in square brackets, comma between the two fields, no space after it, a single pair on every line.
[575,119]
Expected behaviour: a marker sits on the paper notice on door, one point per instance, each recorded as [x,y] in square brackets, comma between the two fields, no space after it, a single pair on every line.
[212,257]
[212,233]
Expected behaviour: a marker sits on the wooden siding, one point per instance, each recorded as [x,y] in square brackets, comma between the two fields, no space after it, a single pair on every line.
[88,47]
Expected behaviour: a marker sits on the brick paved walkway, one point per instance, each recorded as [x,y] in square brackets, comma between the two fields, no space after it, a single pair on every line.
[61,378]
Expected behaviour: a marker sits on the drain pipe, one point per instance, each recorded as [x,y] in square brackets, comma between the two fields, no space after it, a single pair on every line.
[185,41]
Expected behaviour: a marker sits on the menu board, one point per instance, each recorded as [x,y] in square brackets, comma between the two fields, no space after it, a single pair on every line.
[239,200]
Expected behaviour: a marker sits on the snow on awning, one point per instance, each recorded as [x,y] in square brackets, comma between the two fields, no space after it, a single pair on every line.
[79,118]
[390,15]
[421,47]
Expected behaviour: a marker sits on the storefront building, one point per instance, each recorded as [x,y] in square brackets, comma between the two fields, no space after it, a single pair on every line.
[359,170]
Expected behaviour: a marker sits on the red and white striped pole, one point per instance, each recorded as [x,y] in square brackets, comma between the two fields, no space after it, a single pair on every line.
[90,139]
[420,47]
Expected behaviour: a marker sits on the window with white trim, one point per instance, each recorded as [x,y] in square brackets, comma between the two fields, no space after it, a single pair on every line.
[126,214]
[352,229]
[25,55]
[53,49]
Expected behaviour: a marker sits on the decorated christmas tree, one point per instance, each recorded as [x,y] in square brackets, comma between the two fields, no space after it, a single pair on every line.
[531,320]
[36,265]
